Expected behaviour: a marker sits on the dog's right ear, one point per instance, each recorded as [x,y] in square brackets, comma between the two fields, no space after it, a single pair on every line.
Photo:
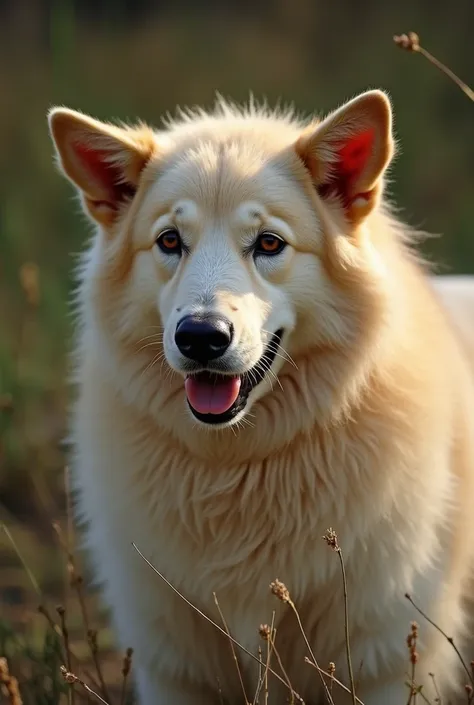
[103,161]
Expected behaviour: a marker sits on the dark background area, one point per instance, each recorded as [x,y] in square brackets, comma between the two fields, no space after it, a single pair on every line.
[127,59]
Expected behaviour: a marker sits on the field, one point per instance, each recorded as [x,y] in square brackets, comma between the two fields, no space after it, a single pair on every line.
[126,60]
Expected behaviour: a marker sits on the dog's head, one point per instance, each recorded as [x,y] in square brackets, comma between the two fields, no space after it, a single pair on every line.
[228,246]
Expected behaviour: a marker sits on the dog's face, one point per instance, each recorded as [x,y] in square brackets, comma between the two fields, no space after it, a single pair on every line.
[218,240]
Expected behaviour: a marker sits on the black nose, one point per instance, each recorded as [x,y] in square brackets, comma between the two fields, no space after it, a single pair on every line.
[203,338]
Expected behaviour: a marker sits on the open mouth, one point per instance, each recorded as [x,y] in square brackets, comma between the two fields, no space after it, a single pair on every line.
[216,398]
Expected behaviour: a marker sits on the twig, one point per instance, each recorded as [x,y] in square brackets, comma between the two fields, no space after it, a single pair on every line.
[92,638]
[57,630]
[69,542]
[411,643]
[439,699]
[282,668]
[71,678]
[126,667]
[449,639]
[62,615]
[269,634]
[332,670]
[269,653]
[41,608]
[329,675]
[233,650]
[259,680]
[78,584]
[208,619]
[419,692]
[263,677]
[331,539]
[411,42]
[280,590]
[25,565]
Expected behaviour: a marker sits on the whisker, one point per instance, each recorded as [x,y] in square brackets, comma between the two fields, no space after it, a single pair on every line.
[286,355]
[150,364]
[148,345]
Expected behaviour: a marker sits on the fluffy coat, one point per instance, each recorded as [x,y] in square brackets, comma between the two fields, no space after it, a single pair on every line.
[365,422]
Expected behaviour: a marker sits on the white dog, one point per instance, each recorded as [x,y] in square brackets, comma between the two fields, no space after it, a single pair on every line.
[261,356]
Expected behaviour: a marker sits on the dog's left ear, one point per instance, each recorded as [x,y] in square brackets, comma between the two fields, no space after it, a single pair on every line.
[348,152]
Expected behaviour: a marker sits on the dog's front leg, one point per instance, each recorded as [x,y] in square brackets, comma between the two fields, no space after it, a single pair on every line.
[154,688]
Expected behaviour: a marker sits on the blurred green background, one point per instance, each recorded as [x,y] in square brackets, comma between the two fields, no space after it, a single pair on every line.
[137,58]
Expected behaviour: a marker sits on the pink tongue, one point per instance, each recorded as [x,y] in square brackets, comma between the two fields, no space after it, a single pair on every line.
[212,396]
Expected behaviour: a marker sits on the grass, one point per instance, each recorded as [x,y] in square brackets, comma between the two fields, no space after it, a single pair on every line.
[44,667]
[50,661]
[59,655]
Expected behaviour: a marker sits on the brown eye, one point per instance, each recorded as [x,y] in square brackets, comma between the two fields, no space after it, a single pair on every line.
[269,244]
[169,242]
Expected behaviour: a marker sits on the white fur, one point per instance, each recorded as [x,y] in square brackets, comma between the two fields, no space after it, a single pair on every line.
[369,428]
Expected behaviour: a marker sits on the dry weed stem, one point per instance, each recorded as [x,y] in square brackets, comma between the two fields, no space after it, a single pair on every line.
[72,679]
[449,639]
[332,541]
[411,42]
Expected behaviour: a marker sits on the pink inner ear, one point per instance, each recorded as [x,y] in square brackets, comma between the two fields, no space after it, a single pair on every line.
[103,173]
[354,154]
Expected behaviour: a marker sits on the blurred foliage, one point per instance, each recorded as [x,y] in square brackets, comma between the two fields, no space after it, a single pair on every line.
[137,58]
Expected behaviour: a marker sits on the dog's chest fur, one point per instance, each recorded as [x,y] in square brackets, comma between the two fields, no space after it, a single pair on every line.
[209,526]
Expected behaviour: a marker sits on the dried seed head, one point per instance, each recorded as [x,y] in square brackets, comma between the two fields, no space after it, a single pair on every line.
[411,643]
[3,667]
[127,662]
[280,590]
[9,684]
[68,676]
[76,580]
[331,539]
[410,41]
[331,668]
[60,610]
[265,632]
